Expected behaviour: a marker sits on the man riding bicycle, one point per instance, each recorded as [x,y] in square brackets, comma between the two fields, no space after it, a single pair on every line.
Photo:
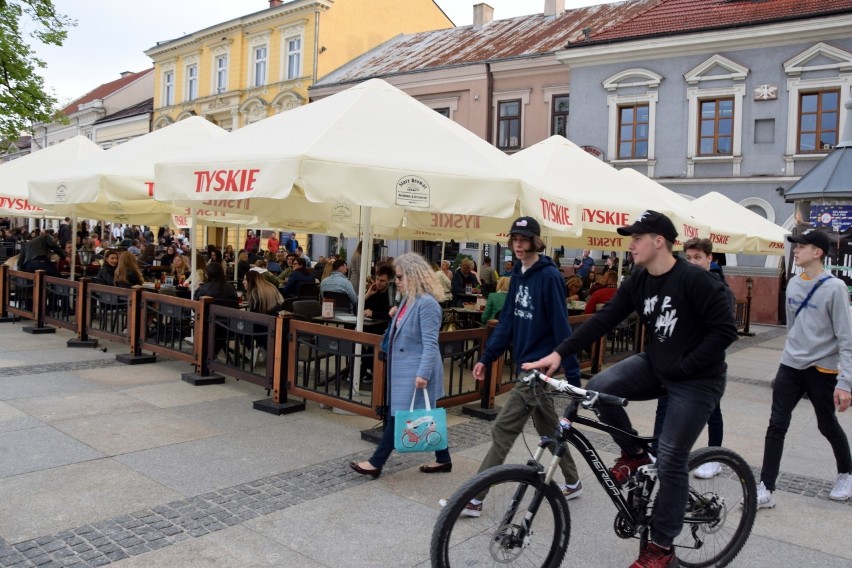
[688,313]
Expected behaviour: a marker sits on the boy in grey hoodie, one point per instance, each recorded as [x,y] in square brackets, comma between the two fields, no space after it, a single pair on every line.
[817,360]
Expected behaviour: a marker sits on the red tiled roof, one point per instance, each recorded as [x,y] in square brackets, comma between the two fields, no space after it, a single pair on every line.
[103,91]
[522,36]
[669,17]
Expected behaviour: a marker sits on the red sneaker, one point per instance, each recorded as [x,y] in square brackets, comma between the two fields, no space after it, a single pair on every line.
[626,465]
[656,557]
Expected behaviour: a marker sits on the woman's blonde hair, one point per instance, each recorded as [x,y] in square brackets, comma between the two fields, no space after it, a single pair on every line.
[262,295]
[503,284]
[126,266]
[419,277]
[329,268]
[184,261]
[574,281]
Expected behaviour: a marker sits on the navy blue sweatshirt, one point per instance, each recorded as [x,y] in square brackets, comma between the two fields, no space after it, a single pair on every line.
[688,312]
[534,319]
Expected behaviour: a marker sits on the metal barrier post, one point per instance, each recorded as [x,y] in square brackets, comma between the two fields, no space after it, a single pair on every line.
[201,332]
[82,339]
[749,286]
[135,328]
[4,294]
[486,409]
[278,403]
[38,307]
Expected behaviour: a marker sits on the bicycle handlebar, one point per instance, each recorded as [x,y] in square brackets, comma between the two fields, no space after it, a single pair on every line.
[564,386]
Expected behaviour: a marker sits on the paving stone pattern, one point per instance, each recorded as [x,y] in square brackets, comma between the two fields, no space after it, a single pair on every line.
[106,541]
[58,367]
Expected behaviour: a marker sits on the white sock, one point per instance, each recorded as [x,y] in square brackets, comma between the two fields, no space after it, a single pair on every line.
[475,502]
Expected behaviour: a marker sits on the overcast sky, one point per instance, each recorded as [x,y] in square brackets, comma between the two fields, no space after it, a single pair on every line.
[111,35]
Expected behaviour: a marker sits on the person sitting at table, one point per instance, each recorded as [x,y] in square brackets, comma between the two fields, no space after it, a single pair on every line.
[262,297]
[327,271]
[168,256]
[319,267]
[107,271]
[134,247]
[146,258]
[127,271]
[574,286]
[300,275]
[199,274]
[38,253]
[217,286]
[381,295]
[260,267]
[228,255]
[496,300]
[64,264]
[444,275]
[243,265]
[214,255]
[180,269]
[604,294]
[338,282]
[272,264]
[464,278]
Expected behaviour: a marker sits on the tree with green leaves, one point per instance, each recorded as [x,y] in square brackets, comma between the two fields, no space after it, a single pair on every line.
[23,97]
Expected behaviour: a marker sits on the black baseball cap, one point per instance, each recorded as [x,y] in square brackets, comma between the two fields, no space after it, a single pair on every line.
[651,222]
[812,237]
[525,226]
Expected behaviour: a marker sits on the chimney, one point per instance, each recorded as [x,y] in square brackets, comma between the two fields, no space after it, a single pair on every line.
[482,14]
[554,7]
[274,3]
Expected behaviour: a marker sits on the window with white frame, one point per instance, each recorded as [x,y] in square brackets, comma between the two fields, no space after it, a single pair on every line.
[818,82]
[508,118]
[559,115]
[192,82]
[715,115]
[221,73]
[260,57]
[169,88]
[632,118]
[294,57]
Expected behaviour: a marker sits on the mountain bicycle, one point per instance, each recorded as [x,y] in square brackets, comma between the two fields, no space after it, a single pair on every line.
[525,519]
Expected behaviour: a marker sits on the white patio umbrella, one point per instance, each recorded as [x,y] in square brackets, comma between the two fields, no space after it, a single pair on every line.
[15,175]
[118,184]
[736,229]
[609,200]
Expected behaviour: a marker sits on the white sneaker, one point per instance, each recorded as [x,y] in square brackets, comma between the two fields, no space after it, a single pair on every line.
[572,491]
[470,510]
[765,499]
[842,488]
[708,470]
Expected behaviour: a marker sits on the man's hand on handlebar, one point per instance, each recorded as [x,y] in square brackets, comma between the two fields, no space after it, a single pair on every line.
[550,364]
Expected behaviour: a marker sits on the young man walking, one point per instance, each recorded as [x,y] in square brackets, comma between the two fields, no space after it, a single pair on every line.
[817,359]
[534,320]
[688,312]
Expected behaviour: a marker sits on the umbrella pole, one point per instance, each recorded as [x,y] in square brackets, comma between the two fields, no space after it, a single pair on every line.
[73,245]
[366,257]
[443,250]
[237,258]
[194,285]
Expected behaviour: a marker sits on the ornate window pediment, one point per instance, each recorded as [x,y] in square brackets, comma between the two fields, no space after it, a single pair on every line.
[716,68]
[633,78]
[819,57]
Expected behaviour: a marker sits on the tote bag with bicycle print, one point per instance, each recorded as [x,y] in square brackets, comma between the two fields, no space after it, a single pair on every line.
[423,430]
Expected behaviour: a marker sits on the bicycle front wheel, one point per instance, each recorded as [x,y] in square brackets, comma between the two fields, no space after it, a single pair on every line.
[720,511]
[505,533]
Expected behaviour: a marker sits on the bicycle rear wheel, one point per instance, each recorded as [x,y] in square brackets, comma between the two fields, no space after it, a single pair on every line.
[498,535]
[720,511]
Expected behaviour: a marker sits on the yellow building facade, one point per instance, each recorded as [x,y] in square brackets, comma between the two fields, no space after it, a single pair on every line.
[248,68]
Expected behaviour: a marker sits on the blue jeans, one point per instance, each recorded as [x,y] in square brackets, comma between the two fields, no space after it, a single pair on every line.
[689,407]
[385,447]
[715,424]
